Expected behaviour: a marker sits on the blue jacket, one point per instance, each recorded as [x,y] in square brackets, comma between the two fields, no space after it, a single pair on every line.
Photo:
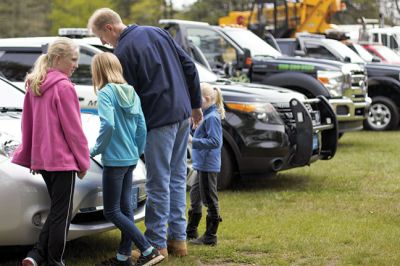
[207,142]
[122,134]
[163,75]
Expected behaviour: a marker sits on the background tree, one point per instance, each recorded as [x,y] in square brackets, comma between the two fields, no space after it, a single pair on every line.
[74,13]
[356,9]
[24,18]
[147,12]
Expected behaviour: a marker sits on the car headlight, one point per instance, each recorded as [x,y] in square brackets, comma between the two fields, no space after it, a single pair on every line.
[334,81]
[8,144]
[264,112]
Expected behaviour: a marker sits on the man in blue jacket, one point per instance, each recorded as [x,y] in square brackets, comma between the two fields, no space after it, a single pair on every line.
[167,82]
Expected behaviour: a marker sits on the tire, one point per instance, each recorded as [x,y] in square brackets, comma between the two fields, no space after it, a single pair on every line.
[225,177]
[383,115]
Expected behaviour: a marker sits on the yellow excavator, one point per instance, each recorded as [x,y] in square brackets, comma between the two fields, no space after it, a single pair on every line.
[283,18]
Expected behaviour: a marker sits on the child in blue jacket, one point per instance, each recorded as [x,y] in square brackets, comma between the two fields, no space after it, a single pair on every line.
[120,142]
[206,156]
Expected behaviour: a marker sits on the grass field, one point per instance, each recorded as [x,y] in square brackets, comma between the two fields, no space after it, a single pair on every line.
[345,211]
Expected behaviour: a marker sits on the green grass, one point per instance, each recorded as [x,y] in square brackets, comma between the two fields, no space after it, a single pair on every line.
[345,211]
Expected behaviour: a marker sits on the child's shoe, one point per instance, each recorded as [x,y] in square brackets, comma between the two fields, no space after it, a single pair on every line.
[152,259]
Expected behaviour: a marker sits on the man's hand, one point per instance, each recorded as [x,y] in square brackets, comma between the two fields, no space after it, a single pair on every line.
[81,174]
[197,116]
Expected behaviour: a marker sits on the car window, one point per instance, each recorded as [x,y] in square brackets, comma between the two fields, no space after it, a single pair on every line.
[214,47]
[15,65]
[318,51]
[10,95]
[375,37]
[82,75]
[384,39]
[393,42]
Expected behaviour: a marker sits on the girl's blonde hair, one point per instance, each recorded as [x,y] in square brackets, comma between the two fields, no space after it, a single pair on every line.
[106,68]
[216,97]
[61,47]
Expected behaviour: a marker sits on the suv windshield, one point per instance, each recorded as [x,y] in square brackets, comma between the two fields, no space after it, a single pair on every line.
[345,51]
[249,40]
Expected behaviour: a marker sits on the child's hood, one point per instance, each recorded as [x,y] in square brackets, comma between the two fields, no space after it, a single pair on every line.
[53,76]
[127,98]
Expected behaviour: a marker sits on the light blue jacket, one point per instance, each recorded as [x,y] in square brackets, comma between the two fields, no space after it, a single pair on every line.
[207,142]
[122,134]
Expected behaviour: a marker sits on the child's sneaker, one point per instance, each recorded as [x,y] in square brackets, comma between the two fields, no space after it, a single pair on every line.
[28,261]
[152,259]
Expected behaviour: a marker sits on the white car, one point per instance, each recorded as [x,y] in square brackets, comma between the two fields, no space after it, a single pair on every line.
[17,56]
[24,201]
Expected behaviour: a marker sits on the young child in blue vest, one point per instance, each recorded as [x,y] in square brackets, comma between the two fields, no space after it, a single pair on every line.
[121,141]
[206,156]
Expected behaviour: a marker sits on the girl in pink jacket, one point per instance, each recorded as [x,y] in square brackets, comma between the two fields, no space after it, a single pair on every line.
[53,143]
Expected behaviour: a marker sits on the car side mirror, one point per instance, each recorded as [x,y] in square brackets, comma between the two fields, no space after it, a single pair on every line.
[347,59]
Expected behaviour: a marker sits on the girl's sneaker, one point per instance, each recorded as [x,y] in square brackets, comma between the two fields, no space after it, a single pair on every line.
[152,259]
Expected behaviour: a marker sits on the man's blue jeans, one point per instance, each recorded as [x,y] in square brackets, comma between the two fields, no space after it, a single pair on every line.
[165,156]
[118,209]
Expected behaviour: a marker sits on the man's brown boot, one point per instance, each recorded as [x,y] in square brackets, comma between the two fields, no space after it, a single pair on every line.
[177,248]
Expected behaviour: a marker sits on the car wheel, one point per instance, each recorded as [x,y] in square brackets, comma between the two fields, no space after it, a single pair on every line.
[382,115]
[225,177]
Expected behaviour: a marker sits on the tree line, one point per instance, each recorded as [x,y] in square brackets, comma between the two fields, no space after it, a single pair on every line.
[24,18]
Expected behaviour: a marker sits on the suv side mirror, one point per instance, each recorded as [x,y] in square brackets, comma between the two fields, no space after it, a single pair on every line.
[243,59]
[347,59]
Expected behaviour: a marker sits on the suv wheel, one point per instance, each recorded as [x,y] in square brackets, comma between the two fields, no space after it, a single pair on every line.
[225,177]
[382,115]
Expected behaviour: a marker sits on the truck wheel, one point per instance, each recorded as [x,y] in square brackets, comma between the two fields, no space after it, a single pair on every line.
[225,177]
[382,115]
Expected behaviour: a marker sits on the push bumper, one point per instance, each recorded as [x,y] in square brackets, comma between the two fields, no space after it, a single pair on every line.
[317,131]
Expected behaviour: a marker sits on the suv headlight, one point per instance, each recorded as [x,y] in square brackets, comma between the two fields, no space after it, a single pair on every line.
[264,112]
[8,144]
[334,81]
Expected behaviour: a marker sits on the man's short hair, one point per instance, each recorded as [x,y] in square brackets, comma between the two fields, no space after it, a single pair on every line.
[102,17]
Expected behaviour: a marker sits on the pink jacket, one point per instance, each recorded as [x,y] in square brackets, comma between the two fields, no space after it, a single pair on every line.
[52,135]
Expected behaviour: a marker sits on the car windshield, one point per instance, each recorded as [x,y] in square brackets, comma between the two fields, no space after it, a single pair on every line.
[11,96]
[247,39]
[387,53]
[364,54]
[345,51]
[205,75]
